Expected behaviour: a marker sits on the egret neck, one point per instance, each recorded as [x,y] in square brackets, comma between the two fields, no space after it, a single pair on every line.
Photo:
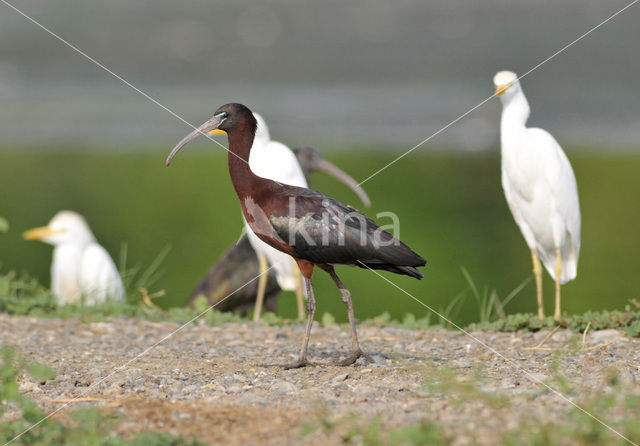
[515,113]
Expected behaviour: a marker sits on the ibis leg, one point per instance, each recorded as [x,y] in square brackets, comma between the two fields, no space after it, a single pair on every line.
[355,345]
[557,316]
[262,286]
[299,294]
[311,310]
[537,271]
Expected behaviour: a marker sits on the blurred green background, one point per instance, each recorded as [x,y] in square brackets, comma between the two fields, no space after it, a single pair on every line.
[451,207]
[364,81]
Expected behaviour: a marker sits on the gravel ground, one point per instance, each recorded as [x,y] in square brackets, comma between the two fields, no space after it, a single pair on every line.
[224,383]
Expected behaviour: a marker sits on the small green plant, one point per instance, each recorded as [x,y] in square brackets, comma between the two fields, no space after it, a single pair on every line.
[12,367]
[352,430]
[422,434]
[446,314]
[409,321]
[490,307]
[445,380]
[4,225]
[328,319]
[212,317]
[21,294]
[134,278]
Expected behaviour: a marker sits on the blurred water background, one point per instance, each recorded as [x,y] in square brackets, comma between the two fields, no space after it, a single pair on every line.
[362,80]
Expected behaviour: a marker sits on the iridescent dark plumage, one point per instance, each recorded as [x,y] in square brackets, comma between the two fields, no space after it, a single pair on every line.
[324,231]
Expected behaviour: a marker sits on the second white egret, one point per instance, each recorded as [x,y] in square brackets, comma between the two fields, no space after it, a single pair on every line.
[82,270]
[540,188]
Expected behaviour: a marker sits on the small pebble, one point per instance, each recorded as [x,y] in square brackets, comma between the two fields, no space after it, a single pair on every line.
[283,387]
[602,335]
[339,378]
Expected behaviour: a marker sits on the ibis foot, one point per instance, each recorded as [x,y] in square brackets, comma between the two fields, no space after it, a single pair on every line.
[351,359]
[298,364]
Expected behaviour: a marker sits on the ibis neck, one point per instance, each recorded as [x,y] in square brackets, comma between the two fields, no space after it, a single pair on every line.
[243,179]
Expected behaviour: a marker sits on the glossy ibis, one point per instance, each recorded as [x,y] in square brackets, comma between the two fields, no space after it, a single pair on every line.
[228,285]
[314,229]
[82,271]
[540,188]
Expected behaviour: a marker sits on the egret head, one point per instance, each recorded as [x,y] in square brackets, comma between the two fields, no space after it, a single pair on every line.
[507,85]
[225,120]
[64,227]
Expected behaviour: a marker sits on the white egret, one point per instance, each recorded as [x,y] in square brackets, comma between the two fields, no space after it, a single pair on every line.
[82,270]
[540,188]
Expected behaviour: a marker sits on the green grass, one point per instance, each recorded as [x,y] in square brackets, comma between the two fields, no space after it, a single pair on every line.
[23,295]
[627,320]
[136,278]
[451,208]
[373,433]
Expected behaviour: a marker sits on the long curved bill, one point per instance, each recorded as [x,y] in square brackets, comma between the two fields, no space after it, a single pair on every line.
[331,169]
[204,129]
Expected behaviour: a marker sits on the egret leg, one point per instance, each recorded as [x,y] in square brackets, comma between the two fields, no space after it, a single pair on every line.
[557,316]
[299,295]
[311,310]
[262,286]
[355,345]
[537,271]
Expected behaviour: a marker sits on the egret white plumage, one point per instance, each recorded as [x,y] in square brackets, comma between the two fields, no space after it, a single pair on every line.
[540,188]
[81,270]
[274,161]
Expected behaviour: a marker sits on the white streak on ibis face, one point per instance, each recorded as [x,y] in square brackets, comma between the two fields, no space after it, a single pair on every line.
[81,268]
[275,161]
[538,182]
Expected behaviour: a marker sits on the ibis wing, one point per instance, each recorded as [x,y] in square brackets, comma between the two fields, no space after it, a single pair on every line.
[323,230]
